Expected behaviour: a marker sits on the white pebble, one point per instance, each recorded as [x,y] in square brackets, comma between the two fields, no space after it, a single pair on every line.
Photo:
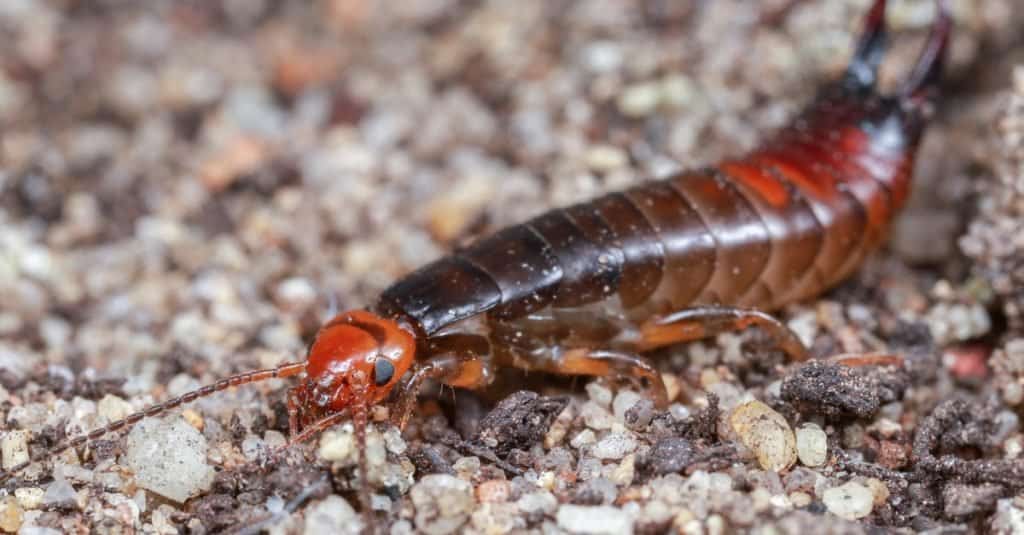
[614,446]
[594,520]
[296,292]
[623,402]
[29,497]
[606,158]
[14,448]
[537,503]
[639,100]
[443,503]
[583,438]
[595,416]
[599,394]
[332,515]
[60,493]
[169,458]
[1008,518]
[113,408]
[850,501]
[811,445]
[766,433]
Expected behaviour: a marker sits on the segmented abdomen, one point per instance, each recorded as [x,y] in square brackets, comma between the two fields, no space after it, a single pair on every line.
[784,223]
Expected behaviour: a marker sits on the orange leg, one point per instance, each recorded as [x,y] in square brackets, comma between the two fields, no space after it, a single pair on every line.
[453,370]
[610,363]
[315,428]
[707,321]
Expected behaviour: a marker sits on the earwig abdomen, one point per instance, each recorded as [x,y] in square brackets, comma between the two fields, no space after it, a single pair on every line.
[782,224]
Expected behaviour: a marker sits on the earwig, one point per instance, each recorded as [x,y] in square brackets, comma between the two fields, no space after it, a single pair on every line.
[587,289]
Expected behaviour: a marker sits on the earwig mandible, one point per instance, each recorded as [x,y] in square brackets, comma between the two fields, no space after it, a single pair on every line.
[587,289]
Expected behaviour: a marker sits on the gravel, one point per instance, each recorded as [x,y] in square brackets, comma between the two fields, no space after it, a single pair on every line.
[188,190]
[596,520]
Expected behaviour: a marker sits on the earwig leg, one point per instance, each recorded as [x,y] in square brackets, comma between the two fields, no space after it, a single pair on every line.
[293,412]
[703,322]
[856,360]
[461,371]
[610,363]
[315,428]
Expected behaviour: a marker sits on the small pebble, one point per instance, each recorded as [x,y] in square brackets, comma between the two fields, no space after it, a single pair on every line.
[333,514]
[878,489]
[639,100]
[583,438]
[599,394]
[766,433]
[443,503]
[800,499]
[623,402]
[594,520]
[168,457]
[623,474]
[596,417]
[537,504]
[11,515]
[850,501]
[811,445]
[614,446]
[494,491]
[29,497]
[60,494]
[606,158]
[1009,517]
[559,428]
[113,408]
[14,448]
[466,467]
[295,293]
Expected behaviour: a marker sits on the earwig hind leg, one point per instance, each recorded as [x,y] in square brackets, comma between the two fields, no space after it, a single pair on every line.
[458,360]
[613,364]
[857,360]
[703,322]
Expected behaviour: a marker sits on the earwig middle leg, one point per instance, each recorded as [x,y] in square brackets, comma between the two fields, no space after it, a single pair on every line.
[614,364]
[535,344]
[706,321]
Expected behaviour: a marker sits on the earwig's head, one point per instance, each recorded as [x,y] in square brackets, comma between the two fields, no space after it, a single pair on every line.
[356,359]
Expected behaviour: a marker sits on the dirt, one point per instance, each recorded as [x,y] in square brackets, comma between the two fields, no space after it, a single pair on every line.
[188,189]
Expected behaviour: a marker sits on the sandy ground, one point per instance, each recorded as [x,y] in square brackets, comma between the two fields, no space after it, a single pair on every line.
[187,188]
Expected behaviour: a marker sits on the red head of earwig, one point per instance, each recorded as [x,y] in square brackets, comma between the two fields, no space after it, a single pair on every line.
[354,362]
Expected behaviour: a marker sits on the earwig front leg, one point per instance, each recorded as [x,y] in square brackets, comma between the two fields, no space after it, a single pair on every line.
[459,360]
[293,412]
[314,428]
[707,321]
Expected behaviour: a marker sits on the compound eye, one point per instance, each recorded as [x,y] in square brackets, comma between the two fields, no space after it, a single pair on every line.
[383,371]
